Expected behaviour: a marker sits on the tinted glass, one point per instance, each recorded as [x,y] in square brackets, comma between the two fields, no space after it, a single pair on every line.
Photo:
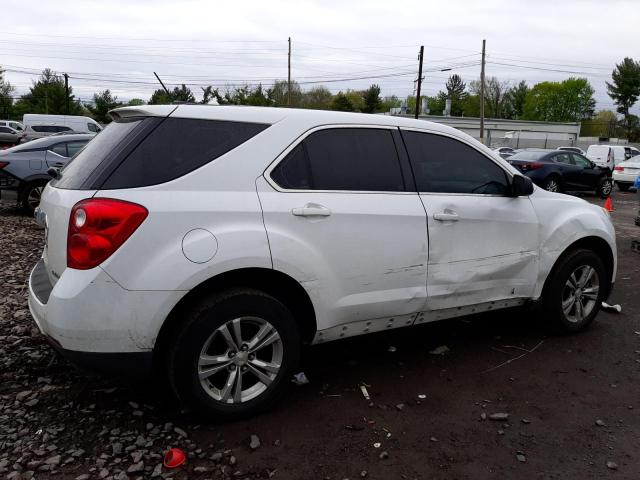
[293,172]
[443,164]
[92,127]
[76,172]
[5,130]
[532,155]
[60,149]
[563,158]
[40,128]
[580,161]
[176,147]
[74,147]
[357,159]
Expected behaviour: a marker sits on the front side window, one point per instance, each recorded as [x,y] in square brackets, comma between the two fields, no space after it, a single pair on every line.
[74,147]
[5,130]
[580,161]
[92,127]
[446,165]
[353,159]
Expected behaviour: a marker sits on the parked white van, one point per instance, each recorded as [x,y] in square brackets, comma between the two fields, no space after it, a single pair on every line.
[38,126]
[608,156]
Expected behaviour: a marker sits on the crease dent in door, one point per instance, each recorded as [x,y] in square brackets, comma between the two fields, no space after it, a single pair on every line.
[484,282]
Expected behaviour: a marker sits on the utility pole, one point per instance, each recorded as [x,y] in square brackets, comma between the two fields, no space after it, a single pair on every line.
[66,89]
[289,75]
[165,88]
[482,93]
[419,81]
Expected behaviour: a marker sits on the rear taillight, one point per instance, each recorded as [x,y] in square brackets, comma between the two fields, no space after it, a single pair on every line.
[98,227]
[3,164]
[619,169]
[532,166]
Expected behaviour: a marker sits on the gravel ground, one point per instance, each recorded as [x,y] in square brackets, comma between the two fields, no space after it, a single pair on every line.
[503,400]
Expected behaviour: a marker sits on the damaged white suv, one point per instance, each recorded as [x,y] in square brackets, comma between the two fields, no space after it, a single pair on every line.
[211,243]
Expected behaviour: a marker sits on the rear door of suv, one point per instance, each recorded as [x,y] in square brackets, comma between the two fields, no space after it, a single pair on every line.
[343,218]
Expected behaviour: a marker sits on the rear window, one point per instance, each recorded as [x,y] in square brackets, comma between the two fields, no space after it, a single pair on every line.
[142,152]
[528,156]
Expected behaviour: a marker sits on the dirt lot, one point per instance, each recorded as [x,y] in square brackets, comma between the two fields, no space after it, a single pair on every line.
[573,402]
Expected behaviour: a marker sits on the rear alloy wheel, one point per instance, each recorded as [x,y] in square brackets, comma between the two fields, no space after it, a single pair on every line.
[235,355]
[575,291]
[552,185]
[31,196]
[605,187]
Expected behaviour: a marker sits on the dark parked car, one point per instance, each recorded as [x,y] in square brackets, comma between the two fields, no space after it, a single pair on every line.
[561,171]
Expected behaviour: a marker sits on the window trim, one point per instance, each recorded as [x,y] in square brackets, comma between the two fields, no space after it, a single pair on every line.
[509,175]
[411,190]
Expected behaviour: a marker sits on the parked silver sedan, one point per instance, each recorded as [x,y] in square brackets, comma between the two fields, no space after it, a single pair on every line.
[10,135]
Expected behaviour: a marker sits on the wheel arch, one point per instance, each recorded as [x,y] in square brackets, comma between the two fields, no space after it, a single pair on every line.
[273,282]
[595,244]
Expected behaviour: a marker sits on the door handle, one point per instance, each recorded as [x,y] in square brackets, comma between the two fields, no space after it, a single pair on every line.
[446,217]
[311,210]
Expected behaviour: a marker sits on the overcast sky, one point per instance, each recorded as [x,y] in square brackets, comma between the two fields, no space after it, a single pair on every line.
[118,44]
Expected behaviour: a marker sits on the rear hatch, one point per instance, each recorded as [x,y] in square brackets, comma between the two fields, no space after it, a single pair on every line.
[599,154]
[80,179]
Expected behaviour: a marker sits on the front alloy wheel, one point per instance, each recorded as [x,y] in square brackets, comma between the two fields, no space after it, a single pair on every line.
[606,186]
[580,293]
[551,185]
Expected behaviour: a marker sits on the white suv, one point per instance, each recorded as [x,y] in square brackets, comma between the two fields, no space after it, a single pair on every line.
[211,243]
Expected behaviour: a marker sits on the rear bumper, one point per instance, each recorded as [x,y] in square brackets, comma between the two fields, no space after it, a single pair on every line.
[88,317]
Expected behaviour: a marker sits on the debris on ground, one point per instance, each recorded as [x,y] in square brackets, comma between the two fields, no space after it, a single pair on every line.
[441,350]
[392,349]
[600,423]
[365,392]
[174,458]
[300,379]
[499,416]
[422,396]
[612,465]
[377,445]
[612,308]
[254,443]
[383,455]
[521,457]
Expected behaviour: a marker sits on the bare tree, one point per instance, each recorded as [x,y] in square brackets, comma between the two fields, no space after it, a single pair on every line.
[496,98]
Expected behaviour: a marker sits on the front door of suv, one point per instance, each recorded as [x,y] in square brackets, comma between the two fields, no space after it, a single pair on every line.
[344,219]
[483,244]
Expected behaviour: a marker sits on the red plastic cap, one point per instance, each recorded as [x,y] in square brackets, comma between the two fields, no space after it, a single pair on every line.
[174,458]
[98,227]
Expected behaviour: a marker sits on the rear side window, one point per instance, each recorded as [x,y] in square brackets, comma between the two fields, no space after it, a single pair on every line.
[176,147]
[91,127]
[356,159]
[60,149]
[445,165]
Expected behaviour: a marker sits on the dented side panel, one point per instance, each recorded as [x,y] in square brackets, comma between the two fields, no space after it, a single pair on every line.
[489,253]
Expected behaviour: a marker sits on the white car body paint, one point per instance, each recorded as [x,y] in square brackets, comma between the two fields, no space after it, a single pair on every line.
[631,171]
[377,261]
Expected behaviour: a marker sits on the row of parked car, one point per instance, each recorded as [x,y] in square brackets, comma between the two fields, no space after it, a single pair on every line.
[573,169]
[35,126]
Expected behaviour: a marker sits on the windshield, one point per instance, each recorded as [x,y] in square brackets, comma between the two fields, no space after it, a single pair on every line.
[527,156]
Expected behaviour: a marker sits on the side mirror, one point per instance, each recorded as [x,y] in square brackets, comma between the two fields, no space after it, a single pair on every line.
[521,186]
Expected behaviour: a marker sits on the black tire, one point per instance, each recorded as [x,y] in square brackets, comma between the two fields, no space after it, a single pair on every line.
[623,187]
[30,196]
[557,291]
[552,184]
[605,187]
[201,323]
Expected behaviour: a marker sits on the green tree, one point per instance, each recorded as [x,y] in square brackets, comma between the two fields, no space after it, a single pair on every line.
[178,94]
[603,124]
[456,92]
[318,98]
[625,89]
[471,106]
[496,101]
[517,97]
[6,96]
[135,102]
[371,99]
[102,103]
[568,101]
[342,103]
[278,94]
[48,95]
[389,102]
